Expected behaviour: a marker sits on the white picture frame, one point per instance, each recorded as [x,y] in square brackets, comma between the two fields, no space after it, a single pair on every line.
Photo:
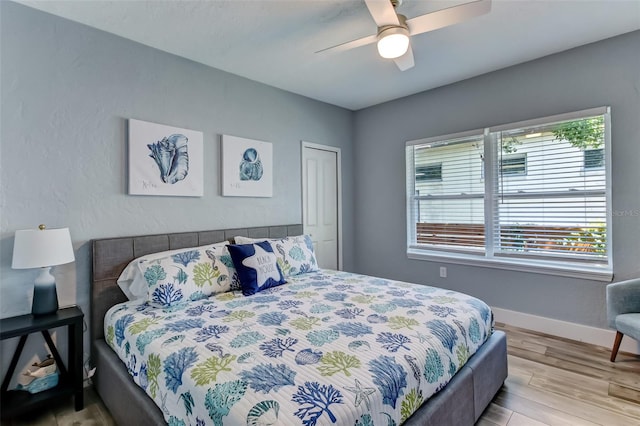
[165,160]
[247,167]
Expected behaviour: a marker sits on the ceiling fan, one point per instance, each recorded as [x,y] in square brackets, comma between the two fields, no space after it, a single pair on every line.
[395,29]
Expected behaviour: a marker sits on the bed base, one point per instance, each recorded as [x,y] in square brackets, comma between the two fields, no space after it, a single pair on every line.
[460,403]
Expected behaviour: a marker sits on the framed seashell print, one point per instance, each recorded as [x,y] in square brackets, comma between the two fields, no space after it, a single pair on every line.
[164,160]
[247,167]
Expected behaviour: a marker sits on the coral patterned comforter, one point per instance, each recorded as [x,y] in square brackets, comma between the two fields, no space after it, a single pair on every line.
[326,348]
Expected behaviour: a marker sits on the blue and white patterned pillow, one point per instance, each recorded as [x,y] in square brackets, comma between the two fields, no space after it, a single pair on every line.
[191,274]
[131,280]
[295,254]
[257,267]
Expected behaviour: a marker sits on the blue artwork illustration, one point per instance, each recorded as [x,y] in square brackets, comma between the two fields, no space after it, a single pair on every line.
[251,166]
[172,157]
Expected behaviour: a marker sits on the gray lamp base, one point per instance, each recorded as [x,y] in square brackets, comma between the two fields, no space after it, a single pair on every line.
[45,299]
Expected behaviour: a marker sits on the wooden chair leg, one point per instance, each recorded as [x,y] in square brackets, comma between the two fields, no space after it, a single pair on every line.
[616,346]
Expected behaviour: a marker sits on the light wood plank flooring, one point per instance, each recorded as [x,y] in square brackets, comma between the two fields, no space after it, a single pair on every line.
[552,381]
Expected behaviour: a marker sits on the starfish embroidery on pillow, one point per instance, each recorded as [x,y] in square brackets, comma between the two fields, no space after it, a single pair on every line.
[264,262]
[257,266]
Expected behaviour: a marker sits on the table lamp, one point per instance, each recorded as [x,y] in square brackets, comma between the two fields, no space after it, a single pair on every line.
[42,248]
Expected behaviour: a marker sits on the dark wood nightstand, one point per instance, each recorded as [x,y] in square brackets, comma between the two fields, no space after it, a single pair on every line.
[15,402]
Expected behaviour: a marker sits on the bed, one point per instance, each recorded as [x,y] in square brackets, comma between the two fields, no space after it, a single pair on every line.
[281,330]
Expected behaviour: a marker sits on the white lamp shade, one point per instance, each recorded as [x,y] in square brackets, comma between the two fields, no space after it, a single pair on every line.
[393,42]
[36,248]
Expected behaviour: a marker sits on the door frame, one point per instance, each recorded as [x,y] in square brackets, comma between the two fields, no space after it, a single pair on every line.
[338,152]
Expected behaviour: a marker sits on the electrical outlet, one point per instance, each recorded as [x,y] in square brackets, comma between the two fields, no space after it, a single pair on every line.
[443,272]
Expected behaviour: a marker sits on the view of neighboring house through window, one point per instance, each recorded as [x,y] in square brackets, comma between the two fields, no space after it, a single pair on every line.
[456,197]
[531,192]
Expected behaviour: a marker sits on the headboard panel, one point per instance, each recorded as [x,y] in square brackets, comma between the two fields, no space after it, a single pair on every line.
[112,255]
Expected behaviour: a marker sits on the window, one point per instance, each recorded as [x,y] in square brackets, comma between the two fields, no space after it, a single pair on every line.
[593,158]
[457,198]
[429,172]
[513,165]
[552,218]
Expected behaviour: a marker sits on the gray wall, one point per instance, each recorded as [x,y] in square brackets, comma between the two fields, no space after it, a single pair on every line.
[66,93]
[604,73]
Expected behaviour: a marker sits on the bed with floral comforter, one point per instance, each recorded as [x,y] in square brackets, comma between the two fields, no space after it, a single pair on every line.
[326,348]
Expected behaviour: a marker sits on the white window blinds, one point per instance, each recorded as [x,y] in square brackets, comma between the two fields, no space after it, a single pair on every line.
[531,191]
[448,212]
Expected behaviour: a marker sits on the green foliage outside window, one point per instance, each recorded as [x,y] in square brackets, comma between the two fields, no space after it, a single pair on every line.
[510,145]
[592,240]
[583,134]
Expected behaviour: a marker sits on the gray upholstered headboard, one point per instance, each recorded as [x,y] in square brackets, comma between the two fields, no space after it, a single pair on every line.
[112,255]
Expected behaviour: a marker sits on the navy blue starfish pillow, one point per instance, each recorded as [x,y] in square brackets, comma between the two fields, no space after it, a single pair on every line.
[257,266]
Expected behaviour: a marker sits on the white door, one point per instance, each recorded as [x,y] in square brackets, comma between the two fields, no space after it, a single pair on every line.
[321,202]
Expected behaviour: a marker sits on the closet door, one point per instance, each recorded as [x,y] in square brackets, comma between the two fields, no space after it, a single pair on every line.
[321,202]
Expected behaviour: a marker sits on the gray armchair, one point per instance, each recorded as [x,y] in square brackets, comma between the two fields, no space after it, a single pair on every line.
[623,311]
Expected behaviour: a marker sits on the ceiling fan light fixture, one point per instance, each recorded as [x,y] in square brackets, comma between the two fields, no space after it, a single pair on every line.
[393,42]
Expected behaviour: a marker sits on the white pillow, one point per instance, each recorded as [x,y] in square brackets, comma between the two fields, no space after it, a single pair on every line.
[295,254]
[132,282]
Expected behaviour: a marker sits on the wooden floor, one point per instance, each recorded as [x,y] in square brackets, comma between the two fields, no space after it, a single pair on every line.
[552,381]
[94,414]
[555,381]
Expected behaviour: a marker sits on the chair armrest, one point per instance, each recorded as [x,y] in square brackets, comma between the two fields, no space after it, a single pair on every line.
[622,297]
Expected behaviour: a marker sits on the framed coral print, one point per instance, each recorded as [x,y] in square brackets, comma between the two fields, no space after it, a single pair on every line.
[247,167]
[164,160]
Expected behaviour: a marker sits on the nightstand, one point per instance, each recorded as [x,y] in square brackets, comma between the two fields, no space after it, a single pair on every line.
[14,402]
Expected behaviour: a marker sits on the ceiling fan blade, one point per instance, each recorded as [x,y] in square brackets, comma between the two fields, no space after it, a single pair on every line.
[350,44]
[445,17]
[382,12]
[405,61]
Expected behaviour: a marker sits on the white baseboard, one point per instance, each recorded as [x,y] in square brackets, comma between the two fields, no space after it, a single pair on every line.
[568,330]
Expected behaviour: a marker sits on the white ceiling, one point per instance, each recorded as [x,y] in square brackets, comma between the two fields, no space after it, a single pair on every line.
[274,41]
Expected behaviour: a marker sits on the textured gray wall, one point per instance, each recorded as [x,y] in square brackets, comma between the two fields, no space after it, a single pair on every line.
[66,93]
[604,73]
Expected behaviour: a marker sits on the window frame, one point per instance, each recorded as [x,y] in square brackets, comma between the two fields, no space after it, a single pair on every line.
[576,269]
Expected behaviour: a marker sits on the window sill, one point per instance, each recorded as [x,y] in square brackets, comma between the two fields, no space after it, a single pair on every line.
[589,272]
